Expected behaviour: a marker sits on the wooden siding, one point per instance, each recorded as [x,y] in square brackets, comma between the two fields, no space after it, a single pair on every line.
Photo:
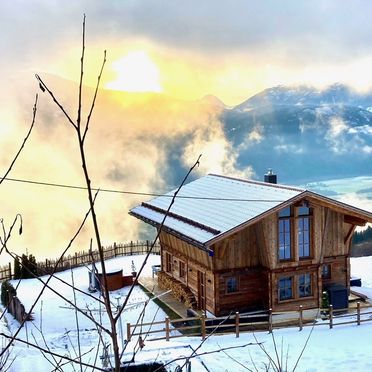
[292,304]
[180,248]
[237,251]
[251,291]
[251,255]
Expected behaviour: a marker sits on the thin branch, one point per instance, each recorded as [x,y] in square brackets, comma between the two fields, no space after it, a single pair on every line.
[48,280]
[34,110]
[207,353]
[95,96]
[157,235]
[76,318]
[44,87]
[78,120]
[11,338]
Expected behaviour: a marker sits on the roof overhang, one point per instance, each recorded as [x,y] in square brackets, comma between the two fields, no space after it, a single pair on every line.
[353,215]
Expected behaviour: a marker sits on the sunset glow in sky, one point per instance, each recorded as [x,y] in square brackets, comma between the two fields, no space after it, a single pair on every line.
[162,58]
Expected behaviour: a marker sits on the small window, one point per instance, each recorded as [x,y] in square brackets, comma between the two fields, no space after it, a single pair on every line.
[286,288]
[326,272]
[304,285]
[168,263]
[303,211]
[231,284]
[285,212]
[182,269]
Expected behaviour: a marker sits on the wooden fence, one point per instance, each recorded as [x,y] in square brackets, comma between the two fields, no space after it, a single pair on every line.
[5,272]
[85,258]
[16,308]
[236,323]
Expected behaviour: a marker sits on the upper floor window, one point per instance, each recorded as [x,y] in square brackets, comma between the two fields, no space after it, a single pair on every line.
[284,235]
[294,233]
[303,232]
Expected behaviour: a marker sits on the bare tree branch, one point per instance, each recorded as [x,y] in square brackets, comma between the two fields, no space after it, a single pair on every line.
[44,87]
[34,110]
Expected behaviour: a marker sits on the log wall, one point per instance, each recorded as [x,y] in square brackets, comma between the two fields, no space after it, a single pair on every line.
[251,291]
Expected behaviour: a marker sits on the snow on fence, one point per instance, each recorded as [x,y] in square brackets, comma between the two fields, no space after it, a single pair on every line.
[85,257]
[236,323]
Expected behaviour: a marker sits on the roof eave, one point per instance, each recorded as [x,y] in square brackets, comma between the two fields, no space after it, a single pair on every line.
[255,219]
[194,242]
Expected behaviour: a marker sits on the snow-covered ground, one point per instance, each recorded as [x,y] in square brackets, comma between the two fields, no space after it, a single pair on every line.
[344,348]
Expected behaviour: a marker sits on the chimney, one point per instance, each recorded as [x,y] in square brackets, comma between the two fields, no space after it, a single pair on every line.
[270,177]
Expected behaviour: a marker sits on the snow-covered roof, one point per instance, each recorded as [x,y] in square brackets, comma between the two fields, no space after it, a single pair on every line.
[213,205]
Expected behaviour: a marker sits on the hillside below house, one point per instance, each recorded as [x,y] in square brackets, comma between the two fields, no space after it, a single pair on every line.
[241,245]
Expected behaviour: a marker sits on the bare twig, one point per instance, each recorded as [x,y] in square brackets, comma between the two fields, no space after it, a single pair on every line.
[157,235]
[34,110]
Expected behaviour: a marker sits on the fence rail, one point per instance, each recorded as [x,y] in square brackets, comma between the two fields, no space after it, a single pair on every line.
[236,323]
[83,257]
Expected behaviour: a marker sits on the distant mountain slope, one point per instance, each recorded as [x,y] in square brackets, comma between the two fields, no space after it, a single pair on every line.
[303,133]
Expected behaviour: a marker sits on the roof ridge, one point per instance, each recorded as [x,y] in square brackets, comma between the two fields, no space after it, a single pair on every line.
[275,185]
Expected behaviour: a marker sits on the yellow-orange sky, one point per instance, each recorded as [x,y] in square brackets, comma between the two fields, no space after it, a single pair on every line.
[182,51]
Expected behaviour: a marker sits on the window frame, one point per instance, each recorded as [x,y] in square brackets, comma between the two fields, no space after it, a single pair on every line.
[168,263]
[235,287]
[286,278]
[306,284]
[182,269]
[295,236]
[285,221]
[326,273]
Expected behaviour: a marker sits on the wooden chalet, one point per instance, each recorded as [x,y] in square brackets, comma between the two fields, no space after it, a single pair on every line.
[238,245]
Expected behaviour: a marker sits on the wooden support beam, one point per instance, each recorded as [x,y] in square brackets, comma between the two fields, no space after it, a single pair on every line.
[354,220]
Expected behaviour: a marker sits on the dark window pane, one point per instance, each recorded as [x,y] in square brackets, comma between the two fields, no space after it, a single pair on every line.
[303,211]
[286,212]
[231,285]
[304,285]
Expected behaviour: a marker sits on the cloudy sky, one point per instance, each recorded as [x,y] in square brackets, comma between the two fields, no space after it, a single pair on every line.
[230,49]
[180,50]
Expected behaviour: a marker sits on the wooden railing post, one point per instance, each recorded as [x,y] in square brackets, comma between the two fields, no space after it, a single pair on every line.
[128,332]
[331,316]
[10,271]
[202,321]
[237,318]
[358,313]
[270,320]
[300,317]
[167,329]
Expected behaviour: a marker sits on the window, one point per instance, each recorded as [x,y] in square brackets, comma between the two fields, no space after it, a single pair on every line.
[303,236]
[168,263]
[326,272]
[182,269]
[286,288]
[303,232]
[294,233]
[304,285]
[284,229]
[231,284]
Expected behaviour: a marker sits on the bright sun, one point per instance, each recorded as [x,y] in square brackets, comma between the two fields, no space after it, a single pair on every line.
[136,72]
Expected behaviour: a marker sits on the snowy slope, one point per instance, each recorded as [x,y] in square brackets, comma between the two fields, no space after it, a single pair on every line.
[343,348]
